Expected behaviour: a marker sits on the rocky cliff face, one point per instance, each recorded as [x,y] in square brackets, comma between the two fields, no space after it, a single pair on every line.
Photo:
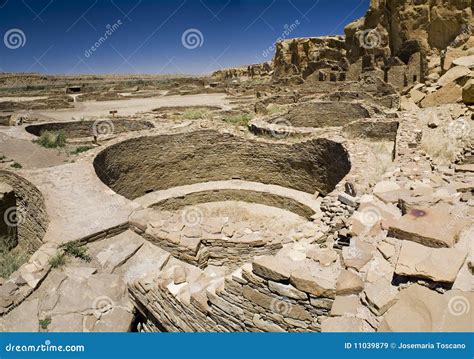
[256,70]
[401,28]
[306,55]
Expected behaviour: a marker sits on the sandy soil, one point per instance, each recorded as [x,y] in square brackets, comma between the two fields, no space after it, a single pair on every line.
[132,106]
[29,154]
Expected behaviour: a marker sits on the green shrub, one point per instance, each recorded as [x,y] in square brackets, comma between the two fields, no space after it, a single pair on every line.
[76,250]
[194,113]
[49,139]
[16,165]
[10,260]
[58,260]
[241,119]
[44,323]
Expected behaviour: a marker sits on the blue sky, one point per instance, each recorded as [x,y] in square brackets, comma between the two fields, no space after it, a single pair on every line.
[56,36]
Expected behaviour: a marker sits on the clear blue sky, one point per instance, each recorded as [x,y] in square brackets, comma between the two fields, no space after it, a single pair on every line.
[54,36]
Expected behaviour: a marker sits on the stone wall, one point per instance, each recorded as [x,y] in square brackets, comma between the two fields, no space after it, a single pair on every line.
[325,114]
[250,299]
[324,56]
[8,232]
[79,129]
[32,218]
[138,166]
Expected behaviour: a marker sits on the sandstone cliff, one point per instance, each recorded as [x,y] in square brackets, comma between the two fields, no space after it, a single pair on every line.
[304,56]
[403,27]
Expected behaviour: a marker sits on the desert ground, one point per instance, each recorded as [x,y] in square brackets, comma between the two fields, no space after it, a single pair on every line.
[327,190]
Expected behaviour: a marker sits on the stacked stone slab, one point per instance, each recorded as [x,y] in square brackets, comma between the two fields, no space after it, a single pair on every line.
[286,292]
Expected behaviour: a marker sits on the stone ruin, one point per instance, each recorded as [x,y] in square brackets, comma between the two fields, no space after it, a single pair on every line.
[325,212]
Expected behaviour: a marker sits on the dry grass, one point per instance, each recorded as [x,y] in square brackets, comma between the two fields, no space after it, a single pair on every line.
[379,160]
[444,143]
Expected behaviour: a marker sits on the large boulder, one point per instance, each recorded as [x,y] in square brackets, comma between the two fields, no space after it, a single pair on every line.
[468,93]
[436,264]
[432,227]
[420,309]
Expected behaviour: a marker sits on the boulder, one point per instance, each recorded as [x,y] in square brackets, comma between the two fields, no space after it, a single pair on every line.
[432,227]
[436,264]
[316,279]
[451,93]
[468,92]
[420,309]
[349,283]
[452,75]
[357,254]
[343,305]
[466,61]
[380,296]
[273,268]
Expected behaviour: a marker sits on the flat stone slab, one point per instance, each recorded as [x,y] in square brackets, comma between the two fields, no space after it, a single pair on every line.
[78,203]
[432,227]
[420,309]
[380,296]
[436,264]
[452,75]
[149,260]
[118,249]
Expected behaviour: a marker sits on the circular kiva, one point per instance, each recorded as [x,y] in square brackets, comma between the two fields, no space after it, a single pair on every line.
[82,129]
[142,165]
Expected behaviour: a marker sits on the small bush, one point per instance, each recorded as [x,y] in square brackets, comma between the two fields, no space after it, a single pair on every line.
[81,149]
[242,119]
[16,165]
[50,139]
[194,114]
[12,259]
[58,260]
[74,249]
[44,323]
